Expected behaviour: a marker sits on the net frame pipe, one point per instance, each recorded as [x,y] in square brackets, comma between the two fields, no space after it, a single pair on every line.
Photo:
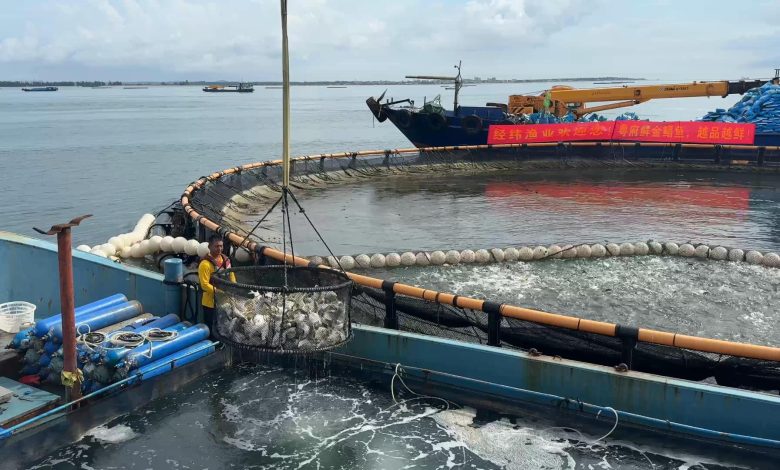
[696,343]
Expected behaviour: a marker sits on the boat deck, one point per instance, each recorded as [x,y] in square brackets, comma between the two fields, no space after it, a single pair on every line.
[25,402]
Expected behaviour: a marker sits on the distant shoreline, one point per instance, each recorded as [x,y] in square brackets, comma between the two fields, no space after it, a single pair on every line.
[89,84]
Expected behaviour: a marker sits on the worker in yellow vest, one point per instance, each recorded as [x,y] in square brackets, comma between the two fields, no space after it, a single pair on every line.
[213,262]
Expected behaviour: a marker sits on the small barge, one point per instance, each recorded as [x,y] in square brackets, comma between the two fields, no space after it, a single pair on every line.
[41,88]
[240,88]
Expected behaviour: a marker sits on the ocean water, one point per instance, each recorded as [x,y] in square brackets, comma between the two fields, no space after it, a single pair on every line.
[260,417]
[119,153]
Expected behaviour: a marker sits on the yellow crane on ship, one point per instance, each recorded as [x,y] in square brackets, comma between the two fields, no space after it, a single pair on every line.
[561,100]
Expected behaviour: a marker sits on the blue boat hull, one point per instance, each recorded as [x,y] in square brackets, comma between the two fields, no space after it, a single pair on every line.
[514,380]
[425,132]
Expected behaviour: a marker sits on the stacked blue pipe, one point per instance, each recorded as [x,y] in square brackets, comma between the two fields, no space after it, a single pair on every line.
[42,327]
[89,362]
[105,363]
[22,340]
[50,369]
[161,323]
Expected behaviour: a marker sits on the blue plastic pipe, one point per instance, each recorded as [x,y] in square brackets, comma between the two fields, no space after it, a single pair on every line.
[101,318]
[140,356]
[158,322]
[177,359]
[114,356]
[43,326]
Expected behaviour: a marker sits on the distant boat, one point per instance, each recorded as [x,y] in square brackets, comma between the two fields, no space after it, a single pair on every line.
[41,88]
[240,88]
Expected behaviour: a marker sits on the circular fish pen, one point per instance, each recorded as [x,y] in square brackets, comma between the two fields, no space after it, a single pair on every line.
[226,203]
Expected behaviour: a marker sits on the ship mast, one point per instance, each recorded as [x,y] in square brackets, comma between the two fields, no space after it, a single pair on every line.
[458,80]
[285,100]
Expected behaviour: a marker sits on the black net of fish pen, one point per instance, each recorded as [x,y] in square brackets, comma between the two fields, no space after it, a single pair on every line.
[370,306]
[234,200]
[282,309]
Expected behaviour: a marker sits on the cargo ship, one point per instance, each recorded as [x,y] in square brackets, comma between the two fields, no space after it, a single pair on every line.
[41,88]
[431,125]
[240,88]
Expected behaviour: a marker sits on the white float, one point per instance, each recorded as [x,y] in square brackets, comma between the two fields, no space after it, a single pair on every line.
[468,256]
[393,259]
[452,257]
[347,262]
[377,260]
[408,259]
[598,250]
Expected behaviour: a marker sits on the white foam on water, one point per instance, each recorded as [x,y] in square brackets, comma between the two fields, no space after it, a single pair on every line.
[503,444]
[241,444]
[112,435]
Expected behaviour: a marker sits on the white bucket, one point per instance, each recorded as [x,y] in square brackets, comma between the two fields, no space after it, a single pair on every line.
[15,314]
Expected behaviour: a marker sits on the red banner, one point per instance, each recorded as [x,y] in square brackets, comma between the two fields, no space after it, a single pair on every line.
[696,132]
[693,132]
[528,133]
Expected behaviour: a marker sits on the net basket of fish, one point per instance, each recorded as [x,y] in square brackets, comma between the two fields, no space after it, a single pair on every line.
[282,309]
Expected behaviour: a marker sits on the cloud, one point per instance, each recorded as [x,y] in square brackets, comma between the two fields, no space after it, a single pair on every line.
[201,37]
[352,39]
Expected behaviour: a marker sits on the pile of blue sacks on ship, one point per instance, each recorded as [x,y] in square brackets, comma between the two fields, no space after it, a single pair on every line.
[760,106]
[160,343]
[547,118]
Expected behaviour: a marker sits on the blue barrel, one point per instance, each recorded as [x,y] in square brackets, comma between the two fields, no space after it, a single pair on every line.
[115,355]
[102,318]
[139,356]
[43,326]
[179,358]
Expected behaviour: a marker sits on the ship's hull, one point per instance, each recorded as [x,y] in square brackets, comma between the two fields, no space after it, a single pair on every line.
[424,131]
[516,381]
[218,90]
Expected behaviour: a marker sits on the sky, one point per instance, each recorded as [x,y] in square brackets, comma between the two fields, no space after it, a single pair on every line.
[165,40]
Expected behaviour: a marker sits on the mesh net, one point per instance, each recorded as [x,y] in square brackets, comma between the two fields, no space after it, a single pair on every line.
[284,310]
[236,199]
[429,318]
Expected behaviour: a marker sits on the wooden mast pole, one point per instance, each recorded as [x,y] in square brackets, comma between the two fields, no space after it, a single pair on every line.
[285,99]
